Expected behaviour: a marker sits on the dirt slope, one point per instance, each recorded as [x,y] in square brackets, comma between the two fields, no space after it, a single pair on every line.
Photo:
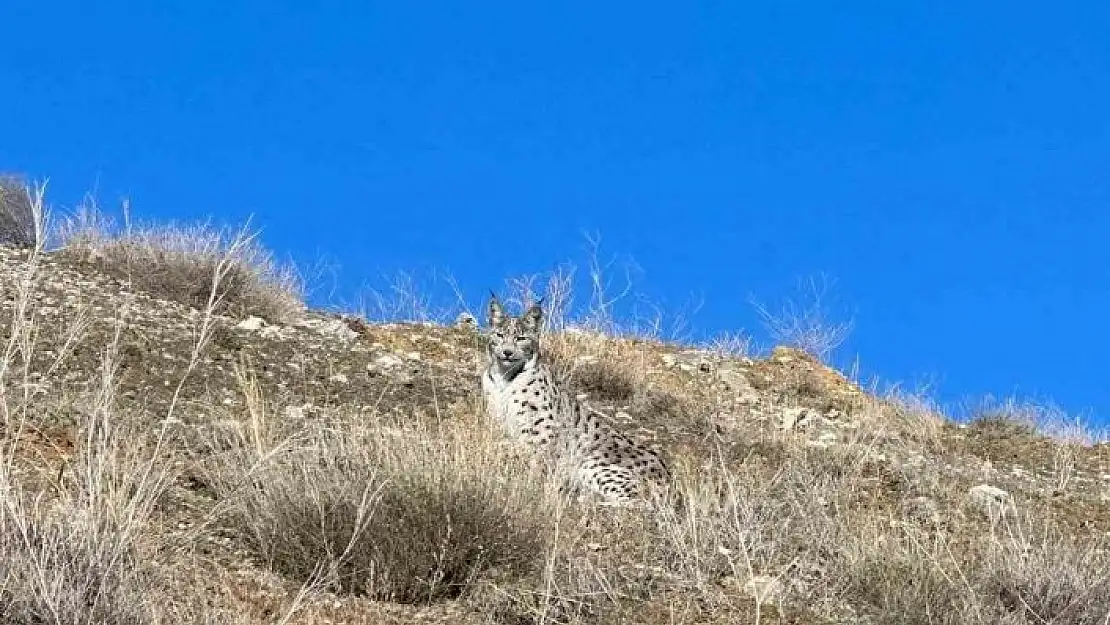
[760,419]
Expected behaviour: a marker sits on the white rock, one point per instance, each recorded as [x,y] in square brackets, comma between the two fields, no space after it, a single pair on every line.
[795,418]
[763,588]
[734,381]
[388,361]
[251,324]
[990,499]
[274,332]
[466,321]
[328,327]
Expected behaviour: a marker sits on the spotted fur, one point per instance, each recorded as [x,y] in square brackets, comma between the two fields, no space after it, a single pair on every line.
[523,395]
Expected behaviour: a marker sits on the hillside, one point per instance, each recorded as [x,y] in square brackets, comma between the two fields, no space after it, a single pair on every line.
[168,463]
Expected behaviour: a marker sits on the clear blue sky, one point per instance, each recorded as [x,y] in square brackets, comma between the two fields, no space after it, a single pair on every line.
[946,162]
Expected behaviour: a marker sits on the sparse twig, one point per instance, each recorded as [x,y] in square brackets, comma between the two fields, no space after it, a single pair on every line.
[805,322]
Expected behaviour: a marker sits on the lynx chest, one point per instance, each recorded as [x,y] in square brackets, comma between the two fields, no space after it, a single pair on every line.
[525,406]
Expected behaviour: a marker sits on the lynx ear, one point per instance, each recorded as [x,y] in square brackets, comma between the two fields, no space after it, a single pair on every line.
[532,318]
[495,314]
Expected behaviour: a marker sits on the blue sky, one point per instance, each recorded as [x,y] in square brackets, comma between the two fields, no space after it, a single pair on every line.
[945,162]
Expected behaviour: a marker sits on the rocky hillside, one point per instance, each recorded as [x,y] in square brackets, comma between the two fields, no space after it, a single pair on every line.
[164,464]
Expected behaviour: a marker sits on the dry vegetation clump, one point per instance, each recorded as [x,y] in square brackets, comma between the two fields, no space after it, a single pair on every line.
[832,530]
[72,555]
[607,369]
[807,321]
[1032,417]
[179,263]
[59,571]
[402,514]
[1022,570]
[69,536]
[1002,424]
[908,420]
[20,222]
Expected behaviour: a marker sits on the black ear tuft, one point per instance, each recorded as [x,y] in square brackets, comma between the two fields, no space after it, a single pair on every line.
[495,314]
[532,318]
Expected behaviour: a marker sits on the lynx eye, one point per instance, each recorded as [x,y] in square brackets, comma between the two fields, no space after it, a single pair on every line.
[522,338]
[499,334]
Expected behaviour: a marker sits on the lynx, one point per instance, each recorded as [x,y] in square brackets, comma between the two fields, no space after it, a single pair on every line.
[524,397]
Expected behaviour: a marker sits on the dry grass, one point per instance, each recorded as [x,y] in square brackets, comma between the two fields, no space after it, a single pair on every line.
[1030,416]
[177,263]
[69,552]
[833,529]
[72,554]
[1021,571]
[57,569]
[806,321]
[435,511]
[909,418]
[22,218]
[78,539]
[582,347]
[606,369]
[399,514]
[730,345]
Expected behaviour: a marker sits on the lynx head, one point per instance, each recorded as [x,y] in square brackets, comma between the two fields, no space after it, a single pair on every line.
[512,342]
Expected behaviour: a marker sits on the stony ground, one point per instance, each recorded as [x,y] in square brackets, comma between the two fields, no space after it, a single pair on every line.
[699,407]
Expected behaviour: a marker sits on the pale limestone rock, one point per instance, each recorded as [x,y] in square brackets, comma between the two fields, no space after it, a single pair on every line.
[251,324]
[991,500]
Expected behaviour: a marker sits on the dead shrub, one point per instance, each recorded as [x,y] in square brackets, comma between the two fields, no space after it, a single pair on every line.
[180,263]
[1034,417]
[57,571]
[1025,571]
[998,424]
[604,380]
[892,585]
[70,555]
[20,213]
[394,514]
[806,322]
[605,368]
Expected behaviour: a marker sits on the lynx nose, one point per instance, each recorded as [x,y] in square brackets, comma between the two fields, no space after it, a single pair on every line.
[506,353]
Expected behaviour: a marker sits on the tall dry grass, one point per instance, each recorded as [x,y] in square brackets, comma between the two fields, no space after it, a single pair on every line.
[77,504]
[68,552]
[807,320]
[23,214]
[1039,416]
[179,263]
[406,513]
